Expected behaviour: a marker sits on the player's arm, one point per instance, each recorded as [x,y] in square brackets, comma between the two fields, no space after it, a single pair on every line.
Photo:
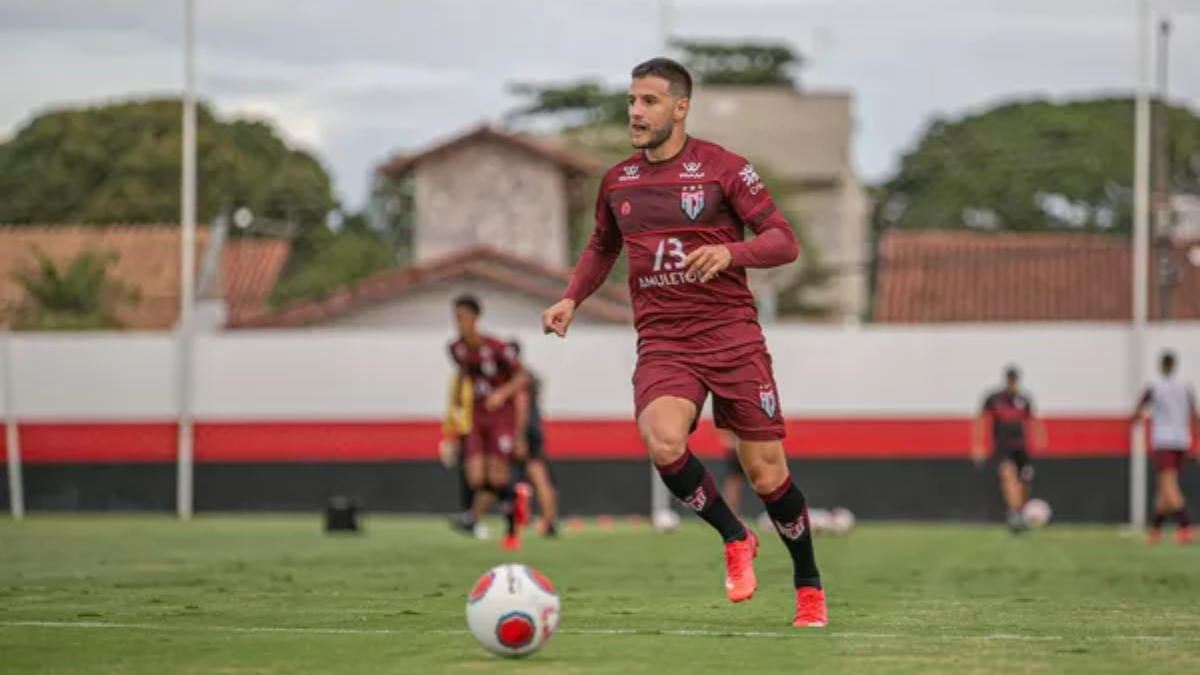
[979,435]
[1195,406]
[517,381]
[774,242]
[599,255]
[1038,429]
[1140,409]
[521,403]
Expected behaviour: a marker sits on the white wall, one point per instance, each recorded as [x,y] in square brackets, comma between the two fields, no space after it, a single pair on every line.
[430,308]
[364,374]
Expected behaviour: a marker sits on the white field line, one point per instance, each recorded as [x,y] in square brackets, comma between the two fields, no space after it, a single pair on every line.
[799,633]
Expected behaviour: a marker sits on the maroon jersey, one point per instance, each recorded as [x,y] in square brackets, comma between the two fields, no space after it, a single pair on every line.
[660,212]
[490,366]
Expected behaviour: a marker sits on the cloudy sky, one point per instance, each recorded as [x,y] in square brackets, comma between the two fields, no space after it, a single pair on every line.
[357,80]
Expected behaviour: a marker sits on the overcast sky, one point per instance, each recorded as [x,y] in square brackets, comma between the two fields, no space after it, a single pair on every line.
[356,80]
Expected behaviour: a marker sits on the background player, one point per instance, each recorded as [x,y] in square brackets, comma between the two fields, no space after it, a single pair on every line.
[456,426]
[1009,411]
[530,457]
[680,206]
[496,376]
[1174,426]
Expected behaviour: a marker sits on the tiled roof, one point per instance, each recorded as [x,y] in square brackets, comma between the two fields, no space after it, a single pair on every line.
[148,261]
[545,148]
[610,303]
[932,276]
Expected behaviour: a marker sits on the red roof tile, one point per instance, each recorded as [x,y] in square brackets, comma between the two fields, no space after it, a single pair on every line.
[148,261]
[541,147]
[933,276]
[610,303]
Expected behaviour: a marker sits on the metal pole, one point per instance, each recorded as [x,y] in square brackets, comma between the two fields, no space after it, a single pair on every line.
[1162,188]
[12,440]
[187,270]
[1141,252]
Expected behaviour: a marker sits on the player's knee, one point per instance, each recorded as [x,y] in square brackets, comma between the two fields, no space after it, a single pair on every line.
[664,443]
[766,467]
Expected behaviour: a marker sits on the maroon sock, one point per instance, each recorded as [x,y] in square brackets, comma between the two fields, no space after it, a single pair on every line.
[1181,519]
[693,485]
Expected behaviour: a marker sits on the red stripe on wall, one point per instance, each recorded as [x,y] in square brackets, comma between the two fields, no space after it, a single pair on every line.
[295,441]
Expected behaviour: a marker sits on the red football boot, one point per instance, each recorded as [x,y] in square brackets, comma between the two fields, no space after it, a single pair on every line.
[740,581]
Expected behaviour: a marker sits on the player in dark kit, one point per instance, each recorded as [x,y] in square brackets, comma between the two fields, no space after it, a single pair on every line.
[530,458]
[1010,412]
[496,376]
[680,207]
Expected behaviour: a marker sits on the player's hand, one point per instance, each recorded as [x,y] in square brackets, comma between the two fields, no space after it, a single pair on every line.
[977,455]
[707,262]
[494,401]
[521,450]
[558,318]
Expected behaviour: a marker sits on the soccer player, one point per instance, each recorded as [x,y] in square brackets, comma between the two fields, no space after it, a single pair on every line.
[1010,411]
[1174,426]
[680,206]
[456,426]
[496,376]
[530,457]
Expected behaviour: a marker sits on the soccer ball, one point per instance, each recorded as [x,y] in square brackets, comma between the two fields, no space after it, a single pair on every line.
[665,520]
[512,610]
[841,521]
[1036,513]
[820,520]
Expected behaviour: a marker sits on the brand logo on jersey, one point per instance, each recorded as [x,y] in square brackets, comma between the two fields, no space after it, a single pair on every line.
[692,201]
[766,401]
[631,173]
[750,177]
[626,207]
[691,170]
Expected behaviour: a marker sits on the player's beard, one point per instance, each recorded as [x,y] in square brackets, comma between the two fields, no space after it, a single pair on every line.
[658,136]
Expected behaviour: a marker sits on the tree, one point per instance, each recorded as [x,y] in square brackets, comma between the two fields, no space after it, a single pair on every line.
[1032,165]
[337,260]
[769,64]
[77,296]
[120,163]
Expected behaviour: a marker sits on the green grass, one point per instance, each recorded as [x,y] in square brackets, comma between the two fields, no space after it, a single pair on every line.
[152,596]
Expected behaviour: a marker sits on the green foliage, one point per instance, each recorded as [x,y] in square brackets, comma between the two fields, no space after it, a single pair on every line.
[120,163]
[333,261]
[77,296]
[584,103]
[740,63]
[1033,165]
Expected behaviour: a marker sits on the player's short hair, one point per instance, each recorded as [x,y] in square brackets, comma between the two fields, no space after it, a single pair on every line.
[469,302]
[679,80]
[1167,360]
[1012,373]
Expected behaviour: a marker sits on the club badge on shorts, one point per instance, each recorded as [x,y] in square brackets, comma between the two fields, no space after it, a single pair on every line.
[766,400]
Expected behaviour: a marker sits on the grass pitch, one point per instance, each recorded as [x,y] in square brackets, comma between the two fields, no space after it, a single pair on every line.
[243,595]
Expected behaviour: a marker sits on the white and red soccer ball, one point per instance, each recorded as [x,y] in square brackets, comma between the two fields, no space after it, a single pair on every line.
[512,610]
[1036,513]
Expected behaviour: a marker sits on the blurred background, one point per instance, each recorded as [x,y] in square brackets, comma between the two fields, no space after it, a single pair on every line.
[946,163]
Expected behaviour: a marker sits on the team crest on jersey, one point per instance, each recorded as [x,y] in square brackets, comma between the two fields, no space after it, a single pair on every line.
[766,401]
[692,201]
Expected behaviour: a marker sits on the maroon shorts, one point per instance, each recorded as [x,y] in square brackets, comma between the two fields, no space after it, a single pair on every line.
[745,399]
[1167,459]
[491,438]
